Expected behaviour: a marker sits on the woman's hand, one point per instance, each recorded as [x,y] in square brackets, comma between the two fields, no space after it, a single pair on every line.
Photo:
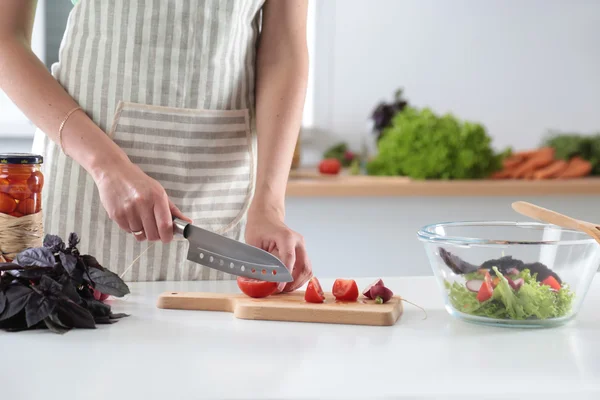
[266,230]
[137,203]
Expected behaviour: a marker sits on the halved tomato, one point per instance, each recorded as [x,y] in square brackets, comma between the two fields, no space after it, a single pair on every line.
[314,293]
[552,282]
[256,288]
[486,291]
[345,290]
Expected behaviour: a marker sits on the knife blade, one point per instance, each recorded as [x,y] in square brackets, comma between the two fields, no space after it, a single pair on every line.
[230,256]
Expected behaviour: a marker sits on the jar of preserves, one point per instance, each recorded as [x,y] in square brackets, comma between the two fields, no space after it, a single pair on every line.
[21,184]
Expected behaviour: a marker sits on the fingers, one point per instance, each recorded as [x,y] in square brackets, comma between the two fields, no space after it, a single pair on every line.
[286,246]
[164,220]
[135,227]
[176,213]
[302,270]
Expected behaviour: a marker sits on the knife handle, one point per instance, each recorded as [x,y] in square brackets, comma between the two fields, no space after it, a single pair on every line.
[179,227]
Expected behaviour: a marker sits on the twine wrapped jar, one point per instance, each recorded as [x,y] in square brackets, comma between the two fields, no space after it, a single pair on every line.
[21,222]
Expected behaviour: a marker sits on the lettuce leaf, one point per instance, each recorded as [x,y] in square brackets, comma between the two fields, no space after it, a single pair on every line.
[532,301]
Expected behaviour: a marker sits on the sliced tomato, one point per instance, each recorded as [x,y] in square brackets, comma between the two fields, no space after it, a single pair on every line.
[345,290]
[256,288]
[552,282]
[486,290]
[314,292]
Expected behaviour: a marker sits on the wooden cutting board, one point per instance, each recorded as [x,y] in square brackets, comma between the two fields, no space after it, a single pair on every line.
[287,307]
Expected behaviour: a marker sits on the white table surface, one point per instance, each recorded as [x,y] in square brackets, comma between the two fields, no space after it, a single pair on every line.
[167,354]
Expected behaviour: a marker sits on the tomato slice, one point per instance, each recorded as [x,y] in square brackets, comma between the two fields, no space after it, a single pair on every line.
[486,291]
[314,292]
[552,282]
[256,288]
[345,290]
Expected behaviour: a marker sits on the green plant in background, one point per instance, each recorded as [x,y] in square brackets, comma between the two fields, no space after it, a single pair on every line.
[422,145]
[341,153]
[568,145]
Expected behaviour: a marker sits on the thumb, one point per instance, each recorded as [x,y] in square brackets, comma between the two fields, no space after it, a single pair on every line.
[175,212]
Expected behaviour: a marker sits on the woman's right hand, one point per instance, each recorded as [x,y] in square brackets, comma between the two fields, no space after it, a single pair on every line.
[137,203]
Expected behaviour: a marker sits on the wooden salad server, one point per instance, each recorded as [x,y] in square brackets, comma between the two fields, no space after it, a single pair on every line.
[552,217]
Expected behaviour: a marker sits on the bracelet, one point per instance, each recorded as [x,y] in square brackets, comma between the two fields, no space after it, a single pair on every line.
[62,125]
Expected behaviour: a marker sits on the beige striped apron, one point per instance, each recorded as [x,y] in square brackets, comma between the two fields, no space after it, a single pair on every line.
[172,83]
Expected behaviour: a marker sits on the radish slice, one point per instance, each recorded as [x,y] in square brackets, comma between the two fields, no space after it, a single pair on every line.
[381,294]
[516,284]
[367,291]
[474,285]
[512,271]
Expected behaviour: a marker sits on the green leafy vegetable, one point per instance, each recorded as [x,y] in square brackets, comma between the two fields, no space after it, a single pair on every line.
[342,153]
[532,301]
[423,145]
[568,145]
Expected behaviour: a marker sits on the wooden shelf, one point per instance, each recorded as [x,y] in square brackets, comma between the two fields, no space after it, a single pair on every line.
[310,184]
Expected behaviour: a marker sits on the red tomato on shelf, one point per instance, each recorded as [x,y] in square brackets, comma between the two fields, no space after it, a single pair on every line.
[36,182]
[256,288]
[330,166]
[314,292]
[7,204]
[19,190]
[345,290]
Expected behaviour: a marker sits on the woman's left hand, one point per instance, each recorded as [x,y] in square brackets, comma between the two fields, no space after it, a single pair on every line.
[266,230]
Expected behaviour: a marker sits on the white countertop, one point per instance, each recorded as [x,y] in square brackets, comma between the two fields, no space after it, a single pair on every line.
[167,354]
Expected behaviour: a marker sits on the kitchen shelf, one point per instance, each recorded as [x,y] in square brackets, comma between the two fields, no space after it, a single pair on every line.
[309,184]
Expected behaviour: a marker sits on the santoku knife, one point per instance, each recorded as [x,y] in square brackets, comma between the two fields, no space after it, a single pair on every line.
[230,256]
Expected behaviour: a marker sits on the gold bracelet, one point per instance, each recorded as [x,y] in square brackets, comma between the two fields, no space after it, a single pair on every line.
[62,125]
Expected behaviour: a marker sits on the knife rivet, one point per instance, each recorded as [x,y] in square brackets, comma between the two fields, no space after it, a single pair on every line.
[231,265]
[201,256]
[211,259]
[243,268]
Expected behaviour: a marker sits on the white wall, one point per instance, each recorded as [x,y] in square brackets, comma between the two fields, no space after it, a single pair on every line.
[520,67]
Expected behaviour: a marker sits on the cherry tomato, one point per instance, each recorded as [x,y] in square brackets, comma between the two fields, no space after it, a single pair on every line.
[330,166]
[7,204]
[345,290]
[16,214]
[99,295]
[255,288]
[19,190]
[36,182]
[4,185]
[19,172]
[486,291]
[552,282]
[314,293]
[27,207]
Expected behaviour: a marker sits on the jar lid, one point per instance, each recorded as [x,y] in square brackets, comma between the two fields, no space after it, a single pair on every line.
[20,158]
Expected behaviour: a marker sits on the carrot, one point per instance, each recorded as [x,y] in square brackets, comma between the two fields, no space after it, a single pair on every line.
[541,159]
[577,168]
[512,161]
[551,171]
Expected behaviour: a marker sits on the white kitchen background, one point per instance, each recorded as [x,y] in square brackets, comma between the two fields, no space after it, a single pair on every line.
[519,67]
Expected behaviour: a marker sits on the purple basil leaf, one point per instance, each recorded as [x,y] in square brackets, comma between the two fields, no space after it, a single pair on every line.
[118,316]
[10,267]
[104,320]
[55,325]
[2,301]
[17,297]
[97,308]
[91,262]
[68,262]
[39,257]
[68,289]
[31,273]
[108,282]
[74,316]
[73,240]
[38,308]
[51,286]
[54,243]
[16,323]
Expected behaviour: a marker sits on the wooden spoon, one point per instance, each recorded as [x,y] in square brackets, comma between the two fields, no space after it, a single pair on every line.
[552,217]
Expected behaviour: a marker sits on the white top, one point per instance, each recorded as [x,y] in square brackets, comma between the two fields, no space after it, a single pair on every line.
[167,354]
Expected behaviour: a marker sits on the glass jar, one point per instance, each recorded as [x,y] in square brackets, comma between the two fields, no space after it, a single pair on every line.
[21,185]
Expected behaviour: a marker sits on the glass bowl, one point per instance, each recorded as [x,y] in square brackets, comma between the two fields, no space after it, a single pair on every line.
[511,273]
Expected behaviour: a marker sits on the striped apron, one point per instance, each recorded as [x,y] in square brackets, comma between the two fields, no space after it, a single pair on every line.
[172,83]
